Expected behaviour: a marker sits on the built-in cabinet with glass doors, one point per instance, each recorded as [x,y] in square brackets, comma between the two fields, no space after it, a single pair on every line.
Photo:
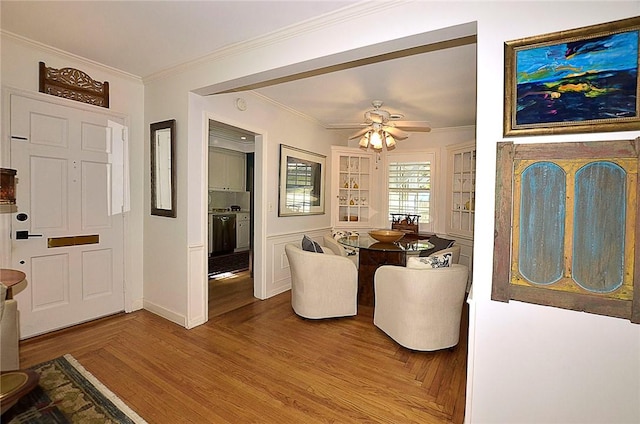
[351,187]
[462,190]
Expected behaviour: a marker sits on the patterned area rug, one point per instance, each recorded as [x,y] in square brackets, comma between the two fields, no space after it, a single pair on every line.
[67,393]
[234,262]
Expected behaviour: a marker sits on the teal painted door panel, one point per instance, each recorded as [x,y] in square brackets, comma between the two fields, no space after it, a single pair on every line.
[599,226]
[542,212]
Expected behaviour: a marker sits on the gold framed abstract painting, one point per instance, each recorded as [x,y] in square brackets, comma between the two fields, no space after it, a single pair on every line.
[582,80]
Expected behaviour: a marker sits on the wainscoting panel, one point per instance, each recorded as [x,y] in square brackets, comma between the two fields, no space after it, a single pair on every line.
[278,273]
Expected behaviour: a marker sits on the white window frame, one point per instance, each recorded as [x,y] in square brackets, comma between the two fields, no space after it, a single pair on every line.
[412,157]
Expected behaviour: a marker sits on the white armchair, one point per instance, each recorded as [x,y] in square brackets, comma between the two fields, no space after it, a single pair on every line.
[9,333]
[322,285]
[421,309]
[331,243]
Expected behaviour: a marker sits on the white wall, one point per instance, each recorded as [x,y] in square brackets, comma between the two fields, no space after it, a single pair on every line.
[534,364]
[527,363]
[20,72]
[176,248]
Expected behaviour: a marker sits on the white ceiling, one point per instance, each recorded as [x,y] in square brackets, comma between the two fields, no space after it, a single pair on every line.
[145,37]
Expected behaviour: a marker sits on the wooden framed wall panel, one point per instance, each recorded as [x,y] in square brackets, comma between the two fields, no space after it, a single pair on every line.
[596,235]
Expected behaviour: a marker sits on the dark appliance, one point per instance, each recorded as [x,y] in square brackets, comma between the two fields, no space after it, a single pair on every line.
[223,233]
[235,208]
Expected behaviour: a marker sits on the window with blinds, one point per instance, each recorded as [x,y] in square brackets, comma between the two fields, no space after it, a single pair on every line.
[410,189]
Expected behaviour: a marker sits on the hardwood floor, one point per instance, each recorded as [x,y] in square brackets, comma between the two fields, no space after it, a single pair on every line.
[263,364]
[230,293]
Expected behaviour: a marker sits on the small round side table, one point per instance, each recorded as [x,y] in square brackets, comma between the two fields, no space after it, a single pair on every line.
[11,277]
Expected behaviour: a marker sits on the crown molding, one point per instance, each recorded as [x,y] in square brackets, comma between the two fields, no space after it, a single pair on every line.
[48,49]
[289,109]
[308,26]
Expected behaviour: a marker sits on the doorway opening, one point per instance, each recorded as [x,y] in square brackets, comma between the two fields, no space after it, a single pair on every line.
[230,217]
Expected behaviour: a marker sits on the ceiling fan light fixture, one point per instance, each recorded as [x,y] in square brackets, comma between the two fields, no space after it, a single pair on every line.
[376,140]
[364,141]
[389,140]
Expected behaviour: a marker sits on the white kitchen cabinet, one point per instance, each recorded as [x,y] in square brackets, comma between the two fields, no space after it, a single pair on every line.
[242,231]
[351,188]
[227,170]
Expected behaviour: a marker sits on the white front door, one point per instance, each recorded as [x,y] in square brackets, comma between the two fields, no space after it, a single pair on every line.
[67,235]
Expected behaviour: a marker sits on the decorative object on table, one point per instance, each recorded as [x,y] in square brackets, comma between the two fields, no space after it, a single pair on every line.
[405,222]
[382,128]
[420,309]
[582,80]
[302,184]
[566,226]
[163,169]
[73,84]
[387,236]
[322,286]
[69,393]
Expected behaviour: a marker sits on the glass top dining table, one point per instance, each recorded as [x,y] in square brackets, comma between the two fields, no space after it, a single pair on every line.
[364,241]
[373,254]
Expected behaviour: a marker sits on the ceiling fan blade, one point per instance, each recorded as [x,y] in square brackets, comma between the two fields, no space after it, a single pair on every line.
[413,126]
[346,126]
[397,133]
[376,118]
[359,133]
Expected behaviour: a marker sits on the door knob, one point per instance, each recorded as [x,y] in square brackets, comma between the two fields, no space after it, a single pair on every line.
[23,235]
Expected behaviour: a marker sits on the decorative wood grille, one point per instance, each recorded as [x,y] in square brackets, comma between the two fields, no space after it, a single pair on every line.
[567,222]
[73,84]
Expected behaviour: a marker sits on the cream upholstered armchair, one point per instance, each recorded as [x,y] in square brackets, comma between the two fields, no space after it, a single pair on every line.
[9,334]
[323,285]
[331,243]
[421,309]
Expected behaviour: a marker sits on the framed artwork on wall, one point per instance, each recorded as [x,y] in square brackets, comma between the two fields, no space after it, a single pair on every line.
[302,184]
[577,81]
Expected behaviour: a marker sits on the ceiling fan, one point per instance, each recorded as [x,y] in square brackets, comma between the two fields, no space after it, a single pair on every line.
[381,126]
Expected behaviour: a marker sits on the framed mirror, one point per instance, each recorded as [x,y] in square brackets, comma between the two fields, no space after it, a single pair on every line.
[163,168]
[301,182]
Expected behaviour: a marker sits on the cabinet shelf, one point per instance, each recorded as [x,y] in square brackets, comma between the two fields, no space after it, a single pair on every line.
[462,186]
[350,187]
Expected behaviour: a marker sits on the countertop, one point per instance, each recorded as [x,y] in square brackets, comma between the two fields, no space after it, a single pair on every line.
[227,212]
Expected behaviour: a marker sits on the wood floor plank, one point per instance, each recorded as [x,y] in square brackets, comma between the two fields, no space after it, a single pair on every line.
[262,363]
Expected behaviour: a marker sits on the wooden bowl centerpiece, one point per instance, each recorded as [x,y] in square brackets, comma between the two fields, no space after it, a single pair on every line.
[387,236]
